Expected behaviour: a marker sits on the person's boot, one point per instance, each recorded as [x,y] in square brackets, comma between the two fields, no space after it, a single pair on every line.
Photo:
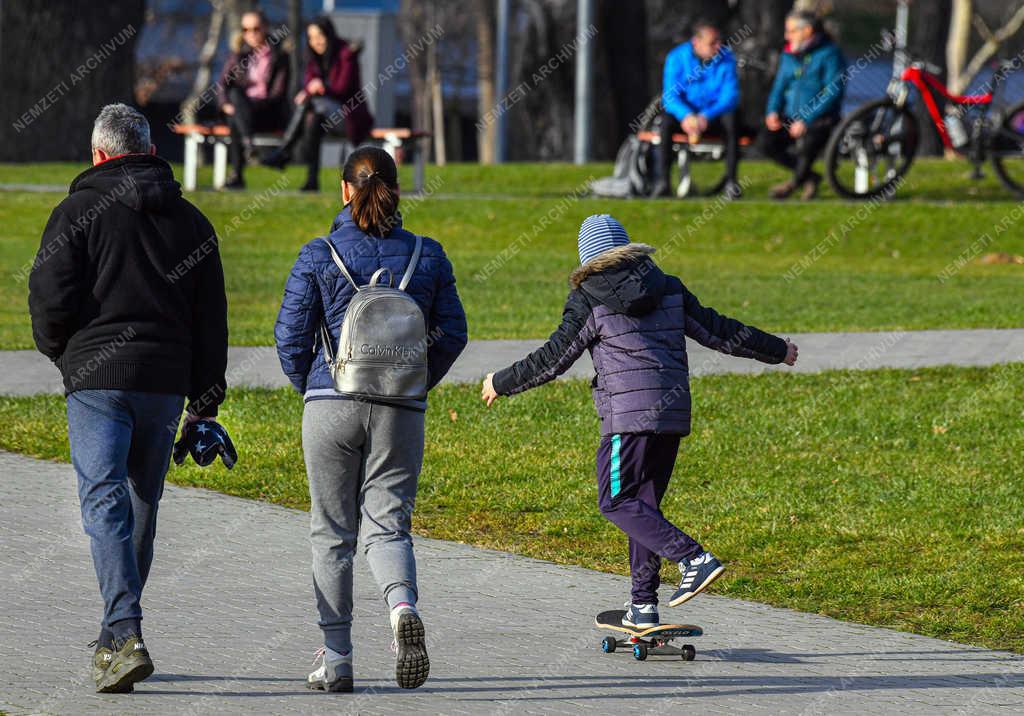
[783,190]
[129,663]
[732,190]
[660,189]
[235,181]
[312,171]
[277,159]
[412,665]
[809,189]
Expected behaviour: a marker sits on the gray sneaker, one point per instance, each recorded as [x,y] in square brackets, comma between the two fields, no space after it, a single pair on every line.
[412,666]
[334,675]
[129,663]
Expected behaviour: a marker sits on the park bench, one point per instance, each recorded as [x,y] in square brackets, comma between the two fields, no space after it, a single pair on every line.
[396,141]
[708,148]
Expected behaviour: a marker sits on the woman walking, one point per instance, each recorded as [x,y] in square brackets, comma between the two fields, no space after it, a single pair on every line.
[330,100]
[363,454]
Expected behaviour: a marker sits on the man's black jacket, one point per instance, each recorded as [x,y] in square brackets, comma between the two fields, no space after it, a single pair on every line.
[127,290]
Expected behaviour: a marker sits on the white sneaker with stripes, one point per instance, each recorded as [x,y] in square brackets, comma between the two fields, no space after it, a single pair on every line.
[697,574]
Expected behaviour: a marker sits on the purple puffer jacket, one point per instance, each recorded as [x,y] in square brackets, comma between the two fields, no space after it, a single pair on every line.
[633,319]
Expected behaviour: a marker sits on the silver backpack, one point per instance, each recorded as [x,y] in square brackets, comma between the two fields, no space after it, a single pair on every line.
[382,347]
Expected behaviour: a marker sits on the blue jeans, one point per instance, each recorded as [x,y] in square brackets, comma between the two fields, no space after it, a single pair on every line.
[121,444]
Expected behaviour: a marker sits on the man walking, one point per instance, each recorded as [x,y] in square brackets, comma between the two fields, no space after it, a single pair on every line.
[700,93]
[127,299]
[804,103]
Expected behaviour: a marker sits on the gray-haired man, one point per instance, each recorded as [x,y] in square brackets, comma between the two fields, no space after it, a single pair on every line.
[127,299]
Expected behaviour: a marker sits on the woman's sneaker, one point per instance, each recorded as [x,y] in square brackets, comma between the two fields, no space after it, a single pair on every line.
[128,664]
[334,675]
[410,646]
[641,616]
[698,573]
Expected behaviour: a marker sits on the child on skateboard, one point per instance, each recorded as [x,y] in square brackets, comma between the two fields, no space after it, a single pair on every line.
[632,318]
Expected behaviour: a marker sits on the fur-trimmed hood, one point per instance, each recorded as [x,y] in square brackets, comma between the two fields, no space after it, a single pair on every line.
[625,279]
[612,257]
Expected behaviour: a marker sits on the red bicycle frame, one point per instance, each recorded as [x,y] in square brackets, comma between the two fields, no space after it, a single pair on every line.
[925,83]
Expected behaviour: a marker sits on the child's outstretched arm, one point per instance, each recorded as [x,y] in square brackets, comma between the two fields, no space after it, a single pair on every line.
[566,344]
[727,335]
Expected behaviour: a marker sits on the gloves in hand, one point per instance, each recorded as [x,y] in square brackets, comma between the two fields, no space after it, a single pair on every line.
[204,440]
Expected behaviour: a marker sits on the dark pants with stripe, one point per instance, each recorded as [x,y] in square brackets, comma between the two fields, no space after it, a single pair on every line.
[633,471]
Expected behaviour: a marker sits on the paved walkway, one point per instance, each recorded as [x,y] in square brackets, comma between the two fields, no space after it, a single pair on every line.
[230,622]
[28,372]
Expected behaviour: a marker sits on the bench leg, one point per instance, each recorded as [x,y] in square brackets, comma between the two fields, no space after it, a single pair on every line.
[191,161]
[220,165]
[685,180]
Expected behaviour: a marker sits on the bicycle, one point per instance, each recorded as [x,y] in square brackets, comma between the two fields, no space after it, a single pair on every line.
[873,147]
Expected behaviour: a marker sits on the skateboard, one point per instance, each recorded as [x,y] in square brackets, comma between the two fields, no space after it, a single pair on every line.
[655,641]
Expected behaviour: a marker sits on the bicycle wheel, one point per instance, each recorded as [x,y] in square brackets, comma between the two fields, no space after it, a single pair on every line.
[871,150]
[1007,149]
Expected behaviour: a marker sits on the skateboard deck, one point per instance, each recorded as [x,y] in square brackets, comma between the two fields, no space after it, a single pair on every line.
[655,641]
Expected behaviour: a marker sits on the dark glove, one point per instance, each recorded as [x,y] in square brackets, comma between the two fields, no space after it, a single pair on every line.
[205,440]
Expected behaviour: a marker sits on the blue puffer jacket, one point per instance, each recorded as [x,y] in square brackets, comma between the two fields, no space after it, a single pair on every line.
[809,84]
[692,86]
[316,287]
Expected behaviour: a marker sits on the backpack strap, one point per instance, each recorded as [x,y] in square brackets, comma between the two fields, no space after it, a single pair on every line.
[341,264]
[411,269]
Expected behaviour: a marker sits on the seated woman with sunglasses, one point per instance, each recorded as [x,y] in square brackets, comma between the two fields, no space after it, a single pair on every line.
[252,90]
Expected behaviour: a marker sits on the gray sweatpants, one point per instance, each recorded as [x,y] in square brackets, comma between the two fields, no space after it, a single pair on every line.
[363,461]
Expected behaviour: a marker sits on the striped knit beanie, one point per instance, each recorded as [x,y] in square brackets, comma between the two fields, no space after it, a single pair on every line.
[599,233]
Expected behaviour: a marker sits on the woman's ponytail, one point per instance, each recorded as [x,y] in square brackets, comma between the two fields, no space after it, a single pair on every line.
[373,177]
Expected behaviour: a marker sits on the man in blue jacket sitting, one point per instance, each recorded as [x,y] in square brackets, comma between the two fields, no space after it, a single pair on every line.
[804,103]
[700,94]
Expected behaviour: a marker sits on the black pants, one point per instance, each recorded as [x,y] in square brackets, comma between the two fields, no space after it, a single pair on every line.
[251,115]
[797,154]
[633,471]
[723,126]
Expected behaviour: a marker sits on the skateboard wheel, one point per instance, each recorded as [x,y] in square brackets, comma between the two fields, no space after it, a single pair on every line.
[639,652]
[608,644]
[689,653]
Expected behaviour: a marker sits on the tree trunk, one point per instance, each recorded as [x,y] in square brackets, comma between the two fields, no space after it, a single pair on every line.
[436,105]
[201,83]
[295,58]
[957,43]
[993,41]
[59,64]
[485,22]
[929,30]
[621,57]
[412,25]
[755,36]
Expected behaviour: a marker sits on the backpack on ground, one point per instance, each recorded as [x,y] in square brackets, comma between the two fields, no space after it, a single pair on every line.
[632,172]
[382,345]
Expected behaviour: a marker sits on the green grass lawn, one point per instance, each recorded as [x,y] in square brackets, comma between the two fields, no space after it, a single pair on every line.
[885,497]
[511,234]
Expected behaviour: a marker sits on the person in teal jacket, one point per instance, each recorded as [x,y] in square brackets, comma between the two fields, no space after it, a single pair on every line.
[804,102]
[700,94]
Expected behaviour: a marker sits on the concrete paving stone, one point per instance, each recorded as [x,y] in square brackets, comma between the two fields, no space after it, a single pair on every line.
[231,623]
